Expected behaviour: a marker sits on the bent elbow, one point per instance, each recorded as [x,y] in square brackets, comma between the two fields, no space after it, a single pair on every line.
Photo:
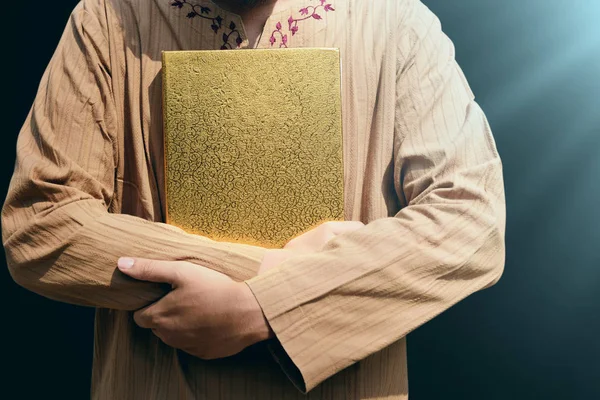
[27,262]
[22,270]
[496,256]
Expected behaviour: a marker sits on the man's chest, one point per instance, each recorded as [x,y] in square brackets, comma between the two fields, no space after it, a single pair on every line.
[367,84]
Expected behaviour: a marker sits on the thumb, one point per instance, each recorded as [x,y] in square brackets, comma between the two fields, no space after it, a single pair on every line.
[274,257]
[149,270]
[340,227]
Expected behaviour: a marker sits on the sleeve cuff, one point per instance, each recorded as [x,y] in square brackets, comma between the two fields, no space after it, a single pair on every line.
[297,347]
[286,364]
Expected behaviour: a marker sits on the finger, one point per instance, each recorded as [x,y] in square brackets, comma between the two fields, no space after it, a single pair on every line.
[327,236]
[274,257]
[146,317]
[159,334]
[157,315]
[339,227]
[150,270]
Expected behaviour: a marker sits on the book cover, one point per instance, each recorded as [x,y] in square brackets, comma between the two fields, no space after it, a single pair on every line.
[253,142]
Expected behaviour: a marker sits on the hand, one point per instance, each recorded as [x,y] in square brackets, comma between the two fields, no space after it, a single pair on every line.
[207,314]
[316,238]
[310,241]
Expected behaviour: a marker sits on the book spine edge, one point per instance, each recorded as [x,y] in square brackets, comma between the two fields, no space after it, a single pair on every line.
[164,110]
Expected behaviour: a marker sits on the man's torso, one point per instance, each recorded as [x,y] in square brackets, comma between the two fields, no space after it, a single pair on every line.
[131,363]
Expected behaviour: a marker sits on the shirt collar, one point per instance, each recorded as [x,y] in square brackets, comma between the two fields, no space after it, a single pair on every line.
[226,28]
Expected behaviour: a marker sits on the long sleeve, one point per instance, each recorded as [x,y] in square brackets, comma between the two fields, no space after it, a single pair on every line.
[369,288]
[60,239]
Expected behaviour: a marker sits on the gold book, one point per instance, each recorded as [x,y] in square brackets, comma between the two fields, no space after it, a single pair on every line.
[253,143]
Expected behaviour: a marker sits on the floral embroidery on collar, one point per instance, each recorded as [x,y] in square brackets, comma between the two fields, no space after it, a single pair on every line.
[307,12]
[199,10]
[202,11]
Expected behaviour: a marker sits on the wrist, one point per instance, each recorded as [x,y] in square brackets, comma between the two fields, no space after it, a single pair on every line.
[253,324]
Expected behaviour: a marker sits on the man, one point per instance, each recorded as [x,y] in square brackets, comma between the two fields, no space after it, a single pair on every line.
[328,314]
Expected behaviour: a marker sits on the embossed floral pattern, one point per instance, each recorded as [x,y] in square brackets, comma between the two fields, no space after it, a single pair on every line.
[235,170]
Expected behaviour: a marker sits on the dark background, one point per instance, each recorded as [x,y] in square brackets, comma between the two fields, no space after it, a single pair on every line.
[535,68]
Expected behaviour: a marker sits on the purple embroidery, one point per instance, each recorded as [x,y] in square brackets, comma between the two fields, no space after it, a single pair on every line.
[226,36]
[198,10]
[284,38]
[307,12]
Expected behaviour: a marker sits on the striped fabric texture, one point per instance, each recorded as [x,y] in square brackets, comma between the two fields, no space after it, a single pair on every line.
[421,171]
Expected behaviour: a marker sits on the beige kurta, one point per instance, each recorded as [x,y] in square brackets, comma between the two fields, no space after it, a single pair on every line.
[421,170]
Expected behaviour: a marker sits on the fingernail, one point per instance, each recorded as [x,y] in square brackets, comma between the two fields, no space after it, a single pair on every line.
[125,263]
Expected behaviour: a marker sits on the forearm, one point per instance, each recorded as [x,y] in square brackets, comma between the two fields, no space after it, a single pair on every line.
[70,254]
[369,288]
[59,237]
